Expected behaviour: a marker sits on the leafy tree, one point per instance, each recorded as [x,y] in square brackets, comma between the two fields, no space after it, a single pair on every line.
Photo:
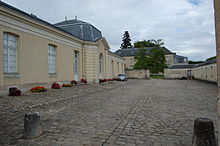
[126,41]
[149,43]
[155,62]
[194,62]
[210,58]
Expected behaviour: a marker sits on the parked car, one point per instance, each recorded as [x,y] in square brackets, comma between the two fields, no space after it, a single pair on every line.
[121,77]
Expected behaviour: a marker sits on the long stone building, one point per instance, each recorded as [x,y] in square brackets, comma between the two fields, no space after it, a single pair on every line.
[203,71]
[129,54]
[35,51]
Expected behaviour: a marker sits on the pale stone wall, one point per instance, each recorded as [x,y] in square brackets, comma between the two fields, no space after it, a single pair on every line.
[32,53]
[169,59]
[207,72]
[130,62]
[175,73]
[138,74]
[115,66]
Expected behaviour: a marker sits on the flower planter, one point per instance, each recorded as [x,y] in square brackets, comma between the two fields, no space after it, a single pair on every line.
[38,89]
[13,91]
[55,86]
[67,85]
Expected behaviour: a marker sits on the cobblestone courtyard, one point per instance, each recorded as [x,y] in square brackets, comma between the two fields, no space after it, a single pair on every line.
[137,112]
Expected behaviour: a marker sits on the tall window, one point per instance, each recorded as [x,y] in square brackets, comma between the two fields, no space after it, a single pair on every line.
[10,53]
[75,62]
[52,59]
[112,68]
[100,63]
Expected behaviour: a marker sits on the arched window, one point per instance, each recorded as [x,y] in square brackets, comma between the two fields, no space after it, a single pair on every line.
[112,63]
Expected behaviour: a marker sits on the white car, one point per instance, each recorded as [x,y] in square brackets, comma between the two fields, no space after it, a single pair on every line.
[121,77]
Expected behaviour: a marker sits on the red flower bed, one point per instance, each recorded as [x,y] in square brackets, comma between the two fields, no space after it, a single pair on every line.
[83,81]
[102,80]
[38,89]
[55,86]
[13,91]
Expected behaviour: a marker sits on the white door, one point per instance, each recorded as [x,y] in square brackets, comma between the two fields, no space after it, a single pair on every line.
[75,65]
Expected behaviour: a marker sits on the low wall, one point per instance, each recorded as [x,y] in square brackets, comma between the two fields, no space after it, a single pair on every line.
[175,73]
[137,74]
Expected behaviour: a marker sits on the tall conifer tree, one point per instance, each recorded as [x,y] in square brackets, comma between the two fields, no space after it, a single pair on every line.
[126,41]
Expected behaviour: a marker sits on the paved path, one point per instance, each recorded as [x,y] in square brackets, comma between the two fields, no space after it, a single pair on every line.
[137,112]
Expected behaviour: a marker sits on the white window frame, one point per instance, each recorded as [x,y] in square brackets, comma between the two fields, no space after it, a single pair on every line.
[52,57]
[10,46]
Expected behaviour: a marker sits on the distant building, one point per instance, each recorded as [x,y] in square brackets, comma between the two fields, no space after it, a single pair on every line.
[202,71]
[129,54]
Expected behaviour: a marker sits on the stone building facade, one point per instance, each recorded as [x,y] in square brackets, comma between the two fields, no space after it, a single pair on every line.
[204,71]
[35,51]
[129,54]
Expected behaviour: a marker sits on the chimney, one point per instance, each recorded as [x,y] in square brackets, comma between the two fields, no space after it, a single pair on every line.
[75,17]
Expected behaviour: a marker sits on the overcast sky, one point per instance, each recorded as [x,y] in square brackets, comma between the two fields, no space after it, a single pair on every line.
[186,26]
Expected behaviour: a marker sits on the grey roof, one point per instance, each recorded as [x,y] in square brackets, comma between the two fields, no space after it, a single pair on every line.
[132,51]
[80,29]
[184,66]
[89,33]
[206,63]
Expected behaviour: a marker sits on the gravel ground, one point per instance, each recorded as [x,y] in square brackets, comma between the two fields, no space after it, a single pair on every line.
[137,112]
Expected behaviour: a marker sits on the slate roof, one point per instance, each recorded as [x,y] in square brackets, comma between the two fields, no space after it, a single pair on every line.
[206,63]
[182,66]
[90,33]
[80,29]
[185,66]
[125,52]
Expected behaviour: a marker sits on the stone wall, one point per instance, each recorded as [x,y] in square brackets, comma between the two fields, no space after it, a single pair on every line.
[207,72]
[175,73]
[137,74]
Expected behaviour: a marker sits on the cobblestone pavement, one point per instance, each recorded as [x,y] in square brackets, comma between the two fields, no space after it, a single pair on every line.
[137,112]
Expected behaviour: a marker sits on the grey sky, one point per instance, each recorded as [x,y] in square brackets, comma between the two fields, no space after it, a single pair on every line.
[186,26]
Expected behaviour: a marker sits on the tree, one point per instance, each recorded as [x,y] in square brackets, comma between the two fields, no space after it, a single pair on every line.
[194,62]
[155,62]
[210,58]
[126,41]
[149,43]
